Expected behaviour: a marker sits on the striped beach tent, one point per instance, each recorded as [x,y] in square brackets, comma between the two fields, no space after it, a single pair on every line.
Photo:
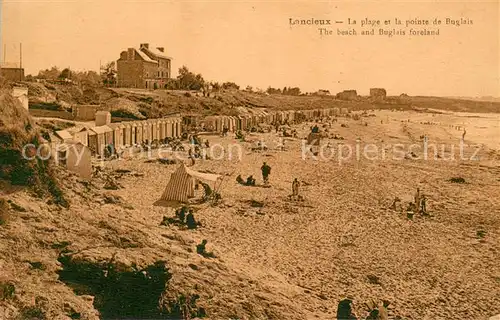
[181,185]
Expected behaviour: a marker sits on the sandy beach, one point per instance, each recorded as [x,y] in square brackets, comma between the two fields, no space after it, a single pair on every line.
[344,239]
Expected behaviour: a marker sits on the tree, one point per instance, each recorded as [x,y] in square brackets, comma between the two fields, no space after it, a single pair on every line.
[293,91]
[65,74]
[216,86]
[272,90]
[230,85]
[172,84]
[49,74]
[188,80]
[86,78]
[108,74]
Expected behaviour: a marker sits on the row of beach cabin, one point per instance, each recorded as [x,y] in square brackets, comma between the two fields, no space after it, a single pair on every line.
[245,122]
[122,134]
[129,133]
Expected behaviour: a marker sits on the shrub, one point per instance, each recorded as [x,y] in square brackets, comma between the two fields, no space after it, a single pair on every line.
[4,212]
[17,130]
[457,180]
[7,290]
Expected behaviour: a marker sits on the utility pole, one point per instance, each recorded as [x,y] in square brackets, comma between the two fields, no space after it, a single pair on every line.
[20,62]
[4,51]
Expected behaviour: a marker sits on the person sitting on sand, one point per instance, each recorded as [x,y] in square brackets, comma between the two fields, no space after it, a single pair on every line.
[266,171]
[378,311]
[250,181]
[190,221]
[202,250]
[181,213]
[239,135]
[207,191]
[410,210]
[240,180]
[396,204]
[197,152]
[344,310]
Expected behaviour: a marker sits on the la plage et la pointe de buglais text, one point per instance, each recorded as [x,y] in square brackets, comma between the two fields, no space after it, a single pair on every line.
[388,27]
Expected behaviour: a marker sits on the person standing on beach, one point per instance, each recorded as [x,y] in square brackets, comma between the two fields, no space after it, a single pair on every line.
[417,200]
[266,171]
[295,188]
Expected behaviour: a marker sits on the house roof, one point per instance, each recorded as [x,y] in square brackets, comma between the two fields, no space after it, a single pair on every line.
[144,56]
[102,112]
[101,129]
[157,53]
[76,129]
[9,65]
[54,137]
[65,135]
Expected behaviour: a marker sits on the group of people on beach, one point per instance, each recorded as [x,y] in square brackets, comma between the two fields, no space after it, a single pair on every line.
[376,311]
[183,216]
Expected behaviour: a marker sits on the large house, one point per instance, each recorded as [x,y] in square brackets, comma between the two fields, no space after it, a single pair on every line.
[143,67]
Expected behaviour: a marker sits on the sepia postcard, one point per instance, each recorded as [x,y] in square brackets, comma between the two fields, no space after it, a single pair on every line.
[247,160]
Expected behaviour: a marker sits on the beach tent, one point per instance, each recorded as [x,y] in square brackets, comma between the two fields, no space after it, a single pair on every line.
[80,134]
[248,121]
[208,123]
[64,135]
[169,128]
[181,185]
[232,124]
[136,129]
[99,137]
[239,123]
[152,129]
[146,131]
[76,157]
[79,160]
[162,123]
[177,127]
[118,138]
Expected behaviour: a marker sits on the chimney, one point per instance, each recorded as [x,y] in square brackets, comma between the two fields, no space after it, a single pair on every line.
[145,45]
[161,49]
[131,54]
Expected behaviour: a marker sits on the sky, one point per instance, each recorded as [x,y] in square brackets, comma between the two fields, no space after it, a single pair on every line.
[252,42]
